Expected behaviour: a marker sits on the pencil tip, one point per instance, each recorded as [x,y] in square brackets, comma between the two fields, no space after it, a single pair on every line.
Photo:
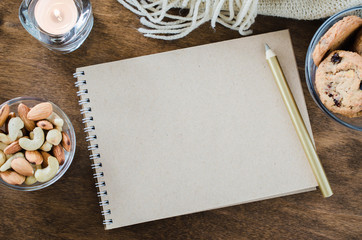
[266,47]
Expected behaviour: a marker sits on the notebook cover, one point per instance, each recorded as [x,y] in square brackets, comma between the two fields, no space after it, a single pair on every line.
[195,129]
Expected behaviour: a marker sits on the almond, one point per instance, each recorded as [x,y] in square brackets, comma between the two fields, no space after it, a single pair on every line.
[12,177]
[45,125]
[23,111]
[40,111]
[66,142]
[21,166]
[4,113]
[34,157]
[13,148]
[45,158]
[58,153]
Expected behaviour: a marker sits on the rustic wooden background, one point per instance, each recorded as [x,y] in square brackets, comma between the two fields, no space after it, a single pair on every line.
[69,210]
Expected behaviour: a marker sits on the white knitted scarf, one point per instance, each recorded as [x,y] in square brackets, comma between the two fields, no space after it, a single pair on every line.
[162,21]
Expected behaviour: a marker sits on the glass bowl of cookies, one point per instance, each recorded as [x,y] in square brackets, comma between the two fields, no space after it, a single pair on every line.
[333,67]
[37,143]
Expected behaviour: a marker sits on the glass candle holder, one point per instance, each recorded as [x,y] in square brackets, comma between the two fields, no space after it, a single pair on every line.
[60,25]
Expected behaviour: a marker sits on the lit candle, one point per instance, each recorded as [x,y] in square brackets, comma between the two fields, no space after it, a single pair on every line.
[56,16]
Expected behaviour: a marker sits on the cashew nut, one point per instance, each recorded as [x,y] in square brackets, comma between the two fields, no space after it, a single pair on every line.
[7,164]
[54,137]
[56,121]
[3,146]
[2,157]
[31,179]
[4,138]
[11,115]
[15,125]
[45,174]
[47,146]
[35,166]
[35,143]
[31,135]
[20,134]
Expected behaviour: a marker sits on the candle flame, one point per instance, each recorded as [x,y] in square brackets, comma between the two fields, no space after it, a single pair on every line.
[57,15]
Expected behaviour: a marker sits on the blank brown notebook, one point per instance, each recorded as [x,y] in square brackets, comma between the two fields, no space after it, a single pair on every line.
[193,129]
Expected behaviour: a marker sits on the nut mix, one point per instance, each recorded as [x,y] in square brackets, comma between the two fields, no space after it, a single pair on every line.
[32,144]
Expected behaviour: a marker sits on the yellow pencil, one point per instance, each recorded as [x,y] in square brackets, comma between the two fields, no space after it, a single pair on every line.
[298,123]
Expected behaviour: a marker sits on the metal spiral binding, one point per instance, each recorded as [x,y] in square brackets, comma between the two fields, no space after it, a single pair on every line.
[104,203]
[107,221]
[98,175]
[87,119]
[89,129]
[86,111]
[80,83]
[96,165]
[84,101]
[91,138]
[78,74]
[93,147]
[106,212]
[82,92]
[100,184]
[94,156]
[102,193]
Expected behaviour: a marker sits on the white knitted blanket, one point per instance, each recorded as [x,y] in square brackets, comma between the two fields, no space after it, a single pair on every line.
[162,21]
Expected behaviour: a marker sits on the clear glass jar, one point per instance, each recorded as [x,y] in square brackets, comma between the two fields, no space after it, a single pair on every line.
[67,128]
[311,68]
[63,43]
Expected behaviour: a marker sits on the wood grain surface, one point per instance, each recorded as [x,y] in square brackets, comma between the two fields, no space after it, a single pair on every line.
[69,210]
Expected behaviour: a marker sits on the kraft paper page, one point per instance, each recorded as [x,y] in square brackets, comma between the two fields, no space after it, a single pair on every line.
[195,129]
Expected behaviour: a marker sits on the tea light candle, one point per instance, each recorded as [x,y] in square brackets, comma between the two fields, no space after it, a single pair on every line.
[56,16]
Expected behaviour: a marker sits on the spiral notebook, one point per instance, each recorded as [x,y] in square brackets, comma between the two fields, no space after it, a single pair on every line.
[191,130]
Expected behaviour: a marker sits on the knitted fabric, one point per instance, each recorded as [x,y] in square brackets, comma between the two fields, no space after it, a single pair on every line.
[304,9]
[161,21]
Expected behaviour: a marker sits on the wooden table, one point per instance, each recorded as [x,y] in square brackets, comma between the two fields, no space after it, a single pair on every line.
[69,210]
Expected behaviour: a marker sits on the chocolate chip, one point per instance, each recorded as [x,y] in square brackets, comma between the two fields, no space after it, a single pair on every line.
[336,58]
[337,103]
[360,85]
[330,95]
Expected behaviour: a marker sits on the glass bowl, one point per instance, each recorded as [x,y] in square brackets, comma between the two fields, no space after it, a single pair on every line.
[67,127]
[310,68]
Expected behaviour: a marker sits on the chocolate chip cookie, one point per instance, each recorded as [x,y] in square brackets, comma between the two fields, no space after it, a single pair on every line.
[357,45]
[338,82]
[335,36]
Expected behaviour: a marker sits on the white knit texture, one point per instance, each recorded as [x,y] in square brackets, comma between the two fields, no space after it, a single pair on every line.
[304,9]
[161,23]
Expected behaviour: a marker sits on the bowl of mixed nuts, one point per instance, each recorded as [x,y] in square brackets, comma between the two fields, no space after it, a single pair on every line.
[37,143]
